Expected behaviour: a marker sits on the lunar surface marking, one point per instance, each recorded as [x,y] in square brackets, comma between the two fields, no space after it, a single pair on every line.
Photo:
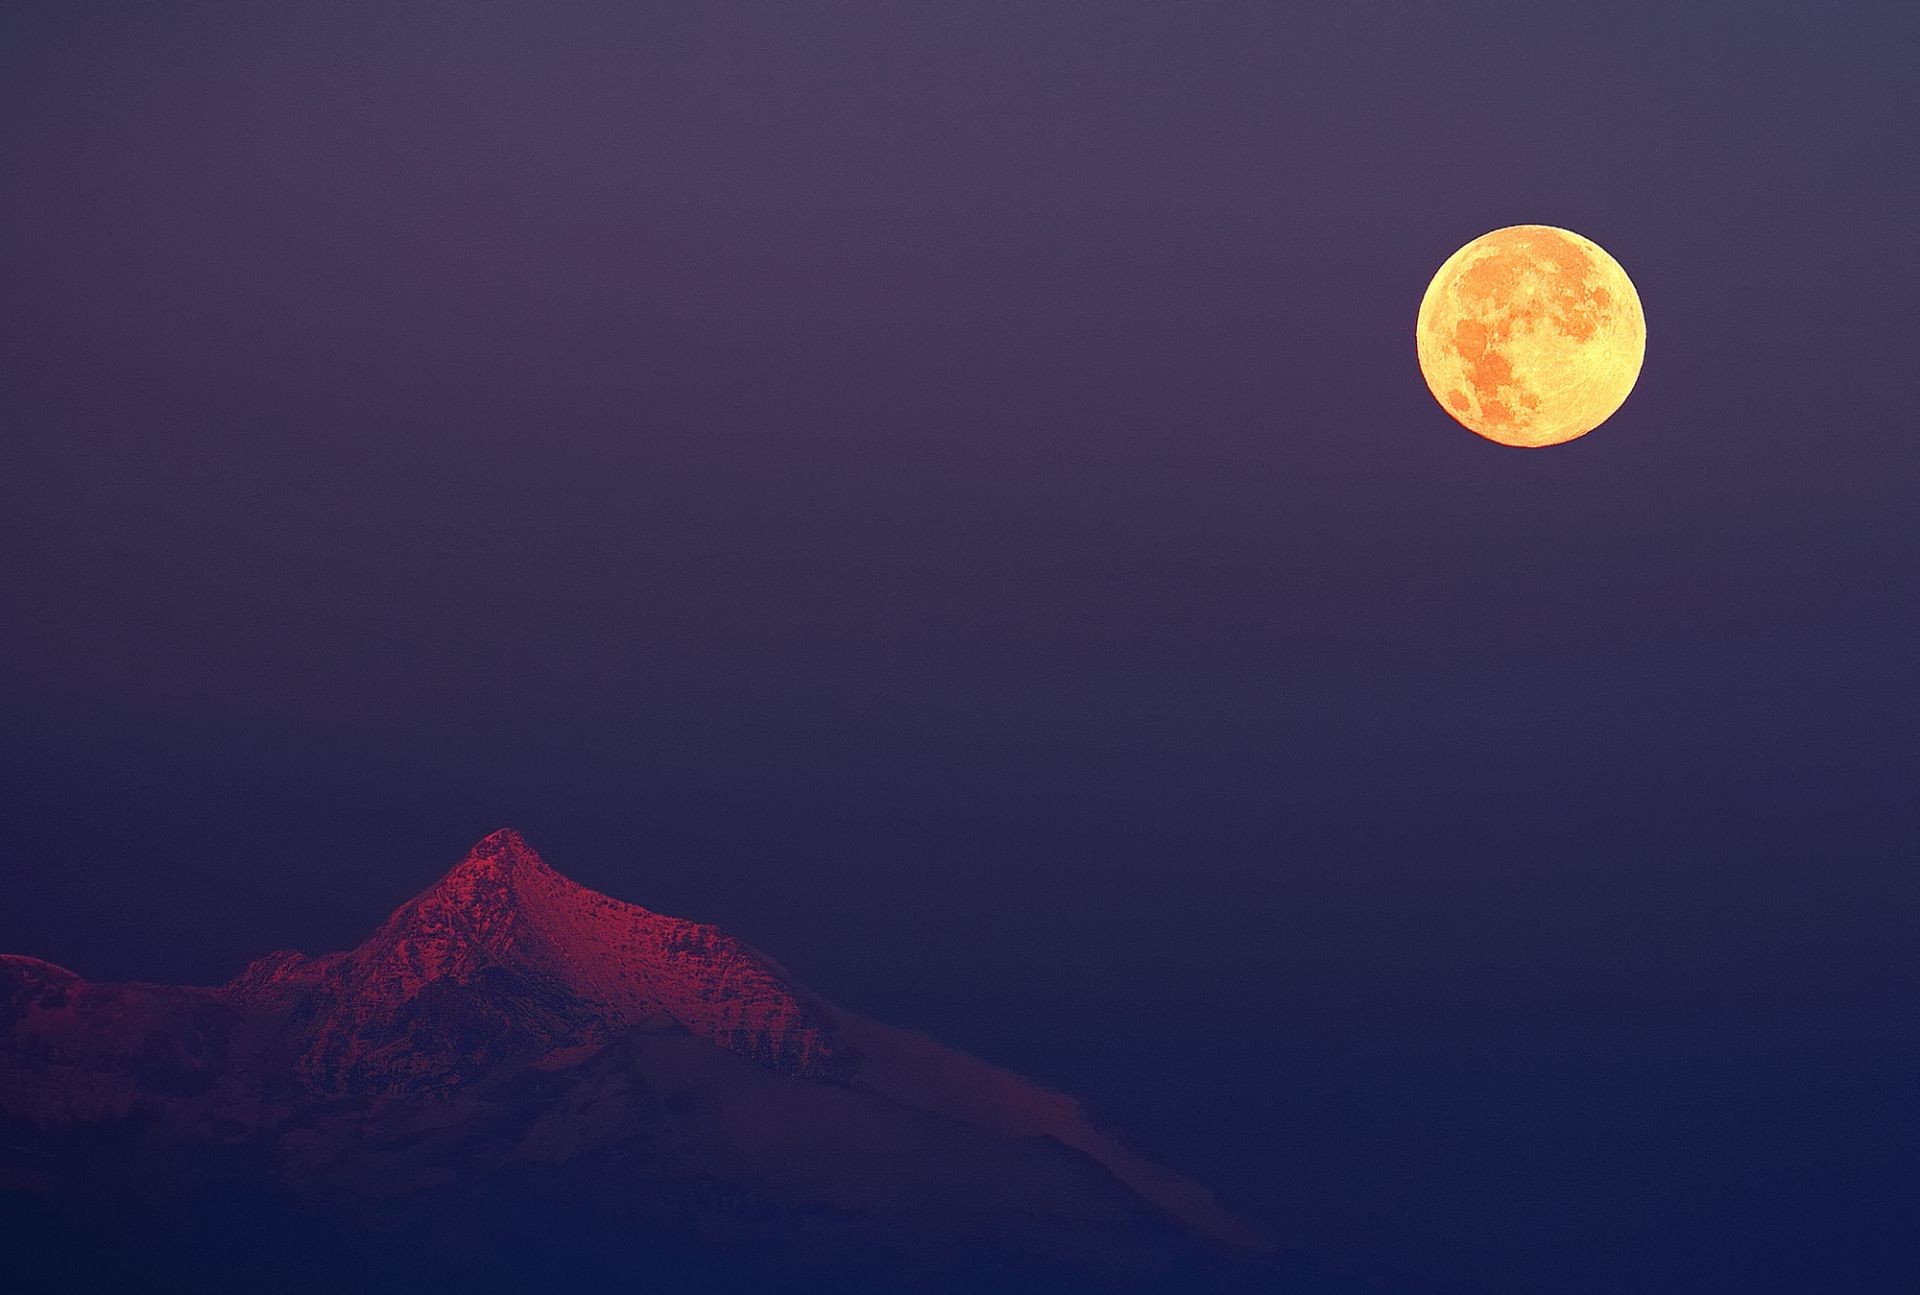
[1531,335]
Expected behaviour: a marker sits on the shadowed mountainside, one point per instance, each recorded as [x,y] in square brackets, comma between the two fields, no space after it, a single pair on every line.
[509,1038]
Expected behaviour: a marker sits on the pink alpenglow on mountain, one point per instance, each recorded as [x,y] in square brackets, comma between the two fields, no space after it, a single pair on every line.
[507,1019]
[505,958]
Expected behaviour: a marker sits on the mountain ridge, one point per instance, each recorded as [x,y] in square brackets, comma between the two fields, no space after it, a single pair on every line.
[603,963]
[507,1015]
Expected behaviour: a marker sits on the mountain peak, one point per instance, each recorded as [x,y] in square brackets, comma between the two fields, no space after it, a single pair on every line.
[498,896]
[504,951]
[502,853]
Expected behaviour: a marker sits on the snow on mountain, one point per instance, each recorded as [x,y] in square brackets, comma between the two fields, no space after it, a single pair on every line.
[507,1015]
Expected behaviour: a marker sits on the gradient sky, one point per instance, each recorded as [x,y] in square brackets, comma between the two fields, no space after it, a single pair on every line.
[946,492]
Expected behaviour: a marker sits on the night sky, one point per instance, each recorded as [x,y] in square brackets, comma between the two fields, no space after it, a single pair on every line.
[945,492]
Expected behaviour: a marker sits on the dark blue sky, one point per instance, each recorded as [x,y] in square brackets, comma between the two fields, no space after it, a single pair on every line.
[945,491]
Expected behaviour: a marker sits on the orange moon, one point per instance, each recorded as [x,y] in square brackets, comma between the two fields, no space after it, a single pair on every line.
[1531,335]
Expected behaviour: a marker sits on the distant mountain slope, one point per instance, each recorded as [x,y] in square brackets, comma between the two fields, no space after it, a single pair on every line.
[565,969]
[509,1021]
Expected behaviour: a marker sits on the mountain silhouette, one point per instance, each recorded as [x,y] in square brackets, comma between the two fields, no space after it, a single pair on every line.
[510,1044]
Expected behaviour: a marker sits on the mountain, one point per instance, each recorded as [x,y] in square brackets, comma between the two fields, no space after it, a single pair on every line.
[510,1045]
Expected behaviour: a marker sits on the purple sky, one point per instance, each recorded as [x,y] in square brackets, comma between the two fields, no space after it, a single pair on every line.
[945,491]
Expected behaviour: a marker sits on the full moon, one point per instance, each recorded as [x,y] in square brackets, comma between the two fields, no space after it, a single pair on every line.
[1531,335]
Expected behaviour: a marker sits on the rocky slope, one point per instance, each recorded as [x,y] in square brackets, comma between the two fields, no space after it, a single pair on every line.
[509,1020]
[503,957]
